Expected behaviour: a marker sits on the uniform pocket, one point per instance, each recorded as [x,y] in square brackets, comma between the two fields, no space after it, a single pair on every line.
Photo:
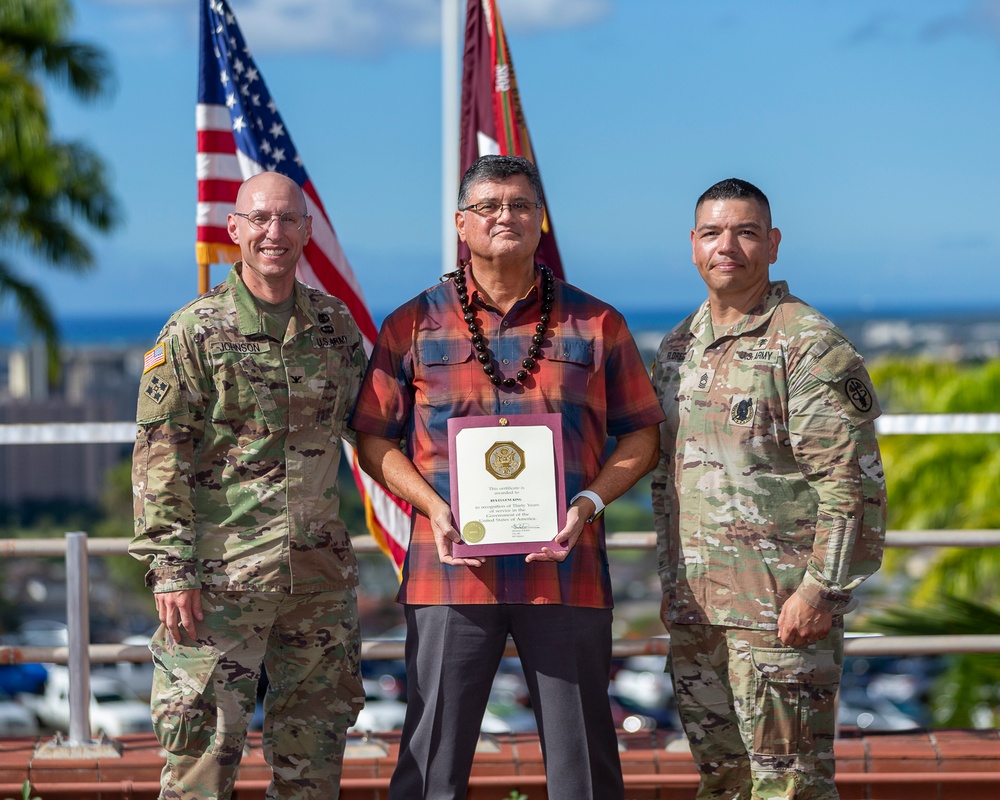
[183,697]
[330,409]
[789,686]
[246,402]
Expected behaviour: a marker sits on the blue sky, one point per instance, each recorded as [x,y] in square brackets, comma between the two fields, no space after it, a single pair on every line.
[870,124]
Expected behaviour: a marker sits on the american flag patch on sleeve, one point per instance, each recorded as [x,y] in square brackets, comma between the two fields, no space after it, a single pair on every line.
[154,358]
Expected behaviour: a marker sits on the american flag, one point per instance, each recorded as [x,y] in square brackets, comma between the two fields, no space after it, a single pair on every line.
[154,358]
[241,133]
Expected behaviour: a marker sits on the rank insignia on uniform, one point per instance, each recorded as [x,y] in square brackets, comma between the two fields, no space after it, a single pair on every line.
[742,410]
[156,389]
[154,357]
[704,380]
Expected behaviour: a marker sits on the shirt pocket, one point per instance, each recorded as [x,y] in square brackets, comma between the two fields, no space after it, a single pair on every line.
[573,361]
[446,371]
[748,392]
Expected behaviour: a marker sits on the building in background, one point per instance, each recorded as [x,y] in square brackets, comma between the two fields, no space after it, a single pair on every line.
[99,383]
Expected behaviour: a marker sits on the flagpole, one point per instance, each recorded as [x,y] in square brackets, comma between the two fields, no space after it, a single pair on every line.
[450,87]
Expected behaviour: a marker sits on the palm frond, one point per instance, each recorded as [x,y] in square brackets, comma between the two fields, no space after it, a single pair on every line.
[35,312]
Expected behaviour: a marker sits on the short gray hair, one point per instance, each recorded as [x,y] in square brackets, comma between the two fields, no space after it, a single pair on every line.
[498,168]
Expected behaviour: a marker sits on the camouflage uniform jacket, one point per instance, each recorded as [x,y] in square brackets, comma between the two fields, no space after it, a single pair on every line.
[770,480]
[235,465]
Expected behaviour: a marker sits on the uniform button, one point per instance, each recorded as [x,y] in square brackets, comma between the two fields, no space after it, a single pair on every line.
[506,324]
[444,358]
[506,402]
[506,361]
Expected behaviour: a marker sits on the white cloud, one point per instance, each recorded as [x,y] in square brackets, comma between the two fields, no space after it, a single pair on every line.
[372,27]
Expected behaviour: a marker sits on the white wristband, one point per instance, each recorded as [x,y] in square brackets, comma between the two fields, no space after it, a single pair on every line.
[593,497]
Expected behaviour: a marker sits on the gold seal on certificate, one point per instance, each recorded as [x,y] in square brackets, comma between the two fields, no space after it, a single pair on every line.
[507,484]
[473,532]
[505,460]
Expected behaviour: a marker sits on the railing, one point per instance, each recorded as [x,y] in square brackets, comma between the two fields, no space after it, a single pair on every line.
[124,432]
[374,649]
[80,654]
[77,547]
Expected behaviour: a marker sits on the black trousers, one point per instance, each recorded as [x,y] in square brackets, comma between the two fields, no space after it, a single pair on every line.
[452,655]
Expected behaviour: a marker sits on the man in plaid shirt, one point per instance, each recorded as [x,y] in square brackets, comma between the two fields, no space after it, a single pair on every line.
[501,336]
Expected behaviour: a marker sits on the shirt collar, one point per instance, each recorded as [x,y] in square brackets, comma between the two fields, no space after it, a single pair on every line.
[249,317]
[759,315]
[534,291]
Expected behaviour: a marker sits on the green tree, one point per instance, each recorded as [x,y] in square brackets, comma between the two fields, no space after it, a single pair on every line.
[47,186]
[117,523]
[947,482]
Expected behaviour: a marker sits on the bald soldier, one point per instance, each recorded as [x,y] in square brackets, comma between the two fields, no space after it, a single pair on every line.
[242,406]
[770,511]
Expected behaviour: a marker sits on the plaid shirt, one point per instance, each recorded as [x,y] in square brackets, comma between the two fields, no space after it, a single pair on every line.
[424,371]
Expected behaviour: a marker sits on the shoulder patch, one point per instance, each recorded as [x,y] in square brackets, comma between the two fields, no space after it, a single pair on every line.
[161,394]
[154,357]
[859,394]
[858,397]
[156,389]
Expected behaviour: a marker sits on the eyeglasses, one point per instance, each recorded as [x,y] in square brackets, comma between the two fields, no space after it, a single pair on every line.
[259,221]
[491,210]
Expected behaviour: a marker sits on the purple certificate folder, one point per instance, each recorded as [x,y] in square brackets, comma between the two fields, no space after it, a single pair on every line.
[508,487]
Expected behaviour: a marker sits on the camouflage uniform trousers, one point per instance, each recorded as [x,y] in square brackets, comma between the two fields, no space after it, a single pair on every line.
[204,693]
[760,717]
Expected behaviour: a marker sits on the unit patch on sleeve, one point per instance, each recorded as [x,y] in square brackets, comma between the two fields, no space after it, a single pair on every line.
[862,404]
[156,389]
[858,394]
[155,357]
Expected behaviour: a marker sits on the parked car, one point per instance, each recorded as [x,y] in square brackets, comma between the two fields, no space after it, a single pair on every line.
[44,633]
[861,709]
[17,678]
[380,715]
[138,676]
[114,709]
[642,695]
[631,716]
[15,719]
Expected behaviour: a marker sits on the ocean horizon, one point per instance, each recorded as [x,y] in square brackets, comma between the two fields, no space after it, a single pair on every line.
[138,329]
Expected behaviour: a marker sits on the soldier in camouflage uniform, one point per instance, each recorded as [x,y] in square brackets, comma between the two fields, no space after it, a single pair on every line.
[242,406]
[770,510]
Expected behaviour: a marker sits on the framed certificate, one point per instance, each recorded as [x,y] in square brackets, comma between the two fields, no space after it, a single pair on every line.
[508,488]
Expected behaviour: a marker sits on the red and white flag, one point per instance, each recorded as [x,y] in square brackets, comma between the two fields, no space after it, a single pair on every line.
[240,134]
[492,119]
